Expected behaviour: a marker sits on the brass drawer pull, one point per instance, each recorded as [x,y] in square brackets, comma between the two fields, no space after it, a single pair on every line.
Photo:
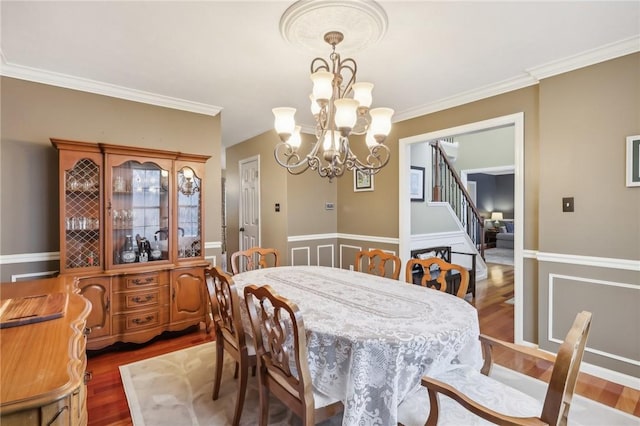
[88,376]
[139,321]
[139,281]
[146,299]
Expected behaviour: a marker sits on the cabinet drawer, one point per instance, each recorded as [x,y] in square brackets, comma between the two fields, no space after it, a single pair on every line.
[130,301]
[136,281]
[140,320]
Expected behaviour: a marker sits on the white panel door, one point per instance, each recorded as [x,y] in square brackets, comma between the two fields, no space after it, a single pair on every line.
[249,203]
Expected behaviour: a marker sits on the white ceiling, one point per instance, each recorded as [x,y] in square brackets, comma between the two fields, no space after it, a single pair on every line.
[208,55]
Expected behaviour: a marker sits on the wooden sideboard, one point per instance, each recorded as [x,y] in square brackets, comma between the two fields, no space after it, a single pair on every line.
[43,364]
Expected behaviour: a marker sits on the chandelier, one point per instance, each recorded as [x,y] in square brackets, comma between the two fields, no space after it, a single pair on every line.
[341,107]
[187,182]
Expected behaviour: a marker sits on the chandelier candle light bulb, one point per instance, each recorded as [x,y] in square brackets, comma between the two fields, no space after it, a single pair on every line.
[295,139]
[341,108]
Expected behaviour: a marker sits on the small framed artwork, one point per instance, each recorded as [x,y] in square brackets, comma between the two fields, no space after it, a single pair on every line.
[633,160]
[416,183]
[362,181]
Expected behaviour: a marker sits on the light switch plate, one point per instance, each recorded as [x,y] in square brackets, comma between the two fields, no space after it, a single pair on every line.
[567,204]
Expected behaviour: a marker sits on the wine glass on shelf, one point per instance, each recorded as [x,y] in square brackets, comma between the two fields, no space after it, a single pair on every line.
[116,218]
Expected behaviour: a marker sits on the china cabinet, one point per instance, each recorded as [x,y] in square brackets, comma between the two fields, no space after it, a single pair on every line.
[131,230]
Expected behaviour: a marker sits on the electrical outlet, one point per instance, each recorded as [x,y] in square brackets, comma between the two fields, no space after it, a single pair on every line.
[351,267]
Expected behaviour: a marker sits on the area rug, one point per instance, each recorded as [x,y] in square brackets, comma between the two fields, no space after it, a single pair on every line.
[500,256]
[176,388]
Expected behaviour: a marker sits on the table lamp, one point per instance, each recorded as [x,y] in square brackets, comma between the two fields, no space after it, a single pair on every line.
[496,217]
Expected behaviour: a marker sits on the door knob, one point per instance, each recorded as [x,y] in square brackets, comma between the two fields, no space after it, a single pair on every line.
[242,229]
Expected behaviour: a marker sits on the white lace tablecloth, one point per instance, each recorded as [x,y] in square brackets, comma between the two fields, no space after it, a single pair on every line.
[370,339]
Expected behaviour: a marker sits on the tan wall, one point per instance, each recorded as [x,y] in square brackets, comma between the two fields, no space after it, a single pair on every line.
[373,213]
[32,113]
[273,189]
[585,117]
[302,200]
[307,196]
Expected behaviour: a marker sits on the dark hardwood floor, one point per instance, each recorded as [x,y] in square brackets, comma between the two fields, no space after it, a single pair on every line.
[107,404]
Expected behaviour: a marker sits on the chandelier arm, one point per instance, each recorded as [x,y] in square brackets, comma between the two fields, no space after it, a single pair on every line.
[293,160]
[378,157]
[319,64]
[350,65]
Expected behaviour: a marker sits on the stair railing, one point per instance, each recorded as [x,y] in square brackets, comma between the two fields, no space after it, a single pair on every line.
[448,187]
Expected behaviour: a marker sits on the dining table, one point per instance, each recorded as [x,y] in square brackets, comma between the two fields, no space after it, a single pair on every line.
[370,339]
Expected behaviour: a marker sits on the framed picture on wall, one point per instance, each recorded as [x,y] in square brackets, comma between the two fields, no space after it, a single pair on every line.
[416,183]
[633,160]
[362,181]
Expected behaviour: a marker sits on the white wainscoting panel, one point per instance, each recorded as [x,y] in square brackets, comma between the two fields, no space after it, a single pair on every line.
[604,373]
[357,248]
[326,247]
[307,249]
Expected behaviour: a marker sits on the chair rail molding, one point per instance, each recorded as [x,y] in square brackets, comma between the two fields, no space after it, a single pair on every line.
[598,262]
[8,259]
[336,235]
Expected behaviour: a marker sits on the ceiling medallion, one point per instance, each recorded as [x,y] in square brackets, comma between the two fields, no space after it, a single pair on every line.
[305,23]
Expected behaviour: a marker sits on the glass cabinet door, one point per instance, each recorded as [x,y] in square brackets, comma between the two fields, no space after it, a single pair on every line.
[189,213]
[139,213]
[82,216]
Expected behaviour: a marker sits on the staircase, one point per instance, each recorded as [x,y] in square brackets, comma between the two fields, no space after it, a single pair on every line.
[447,187]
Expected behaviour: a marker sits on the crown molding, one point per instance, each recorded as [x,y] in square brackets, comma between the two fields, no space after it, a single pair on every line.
[467,97]
[532,77]
[590,57]
[91,86]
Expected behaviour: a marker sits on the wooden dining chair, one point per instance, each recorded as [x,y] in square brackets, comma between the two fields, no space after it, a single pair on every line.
[475,396]
[230,335]
[436,274]
[254,257]
[377,263]
[283,371]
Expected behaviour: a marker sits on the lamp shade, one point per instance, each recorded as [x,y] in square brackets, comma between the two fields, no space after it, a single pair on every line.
[380,122]
[346,113]
[315,108]
[330,141]
[295,140]
[496,216]
[322,85]
[362,93]
[285,122]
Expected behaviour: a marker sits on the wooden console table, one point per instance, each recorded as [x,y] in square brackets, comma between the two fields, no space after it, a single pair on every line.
[43,363]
